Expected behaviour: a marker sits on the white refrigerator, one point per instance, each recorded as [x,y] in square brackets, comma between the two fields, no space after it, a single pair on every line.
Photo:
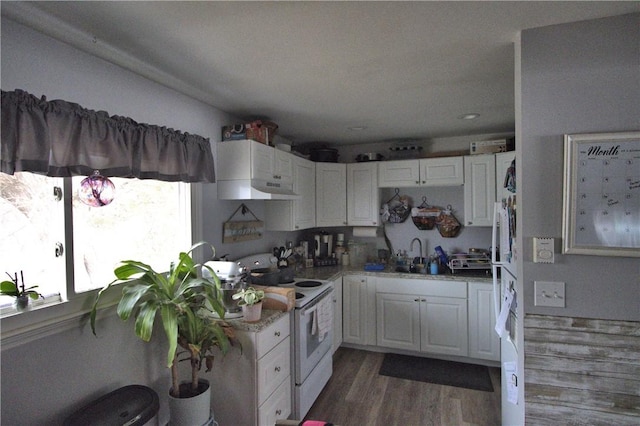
[507,291]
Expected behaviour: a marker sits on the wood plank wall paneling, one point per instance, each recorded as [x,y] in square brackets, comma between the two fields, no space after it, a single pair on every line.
[581,371]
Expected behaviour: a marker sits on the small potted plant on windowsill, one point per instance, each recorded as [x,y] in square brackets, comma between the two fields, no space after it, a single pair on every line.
[22,294]
[251,303]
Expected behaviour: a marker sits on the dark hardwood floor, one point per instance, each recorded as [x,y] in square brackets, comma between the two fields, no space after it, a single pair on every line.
[357,395]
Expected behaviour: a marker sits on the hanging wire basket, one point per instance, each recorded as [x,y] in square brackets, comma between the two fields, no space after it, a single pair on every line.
[424,216]
[397,209]
[447,224]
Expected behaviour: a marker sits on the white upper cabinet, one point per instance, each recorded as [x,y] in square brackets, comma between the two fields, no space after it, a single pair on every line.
[479,189]
[444,171]
[283,165]
[441,171]
[294,215]
[363,197]
[331,194]
[399,174]
[249,170]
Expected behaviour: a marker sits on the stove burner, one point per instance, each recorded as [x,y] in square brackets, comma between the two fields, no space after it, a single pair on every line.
[299,295]
[307,284]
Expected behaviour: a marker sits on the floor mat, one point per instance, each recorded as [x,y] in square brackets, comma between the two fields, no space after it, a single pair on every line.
[449,373]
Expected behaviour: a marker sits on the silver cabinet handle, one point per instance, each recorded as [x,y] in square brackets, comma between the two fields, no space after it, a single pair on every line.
[59,249]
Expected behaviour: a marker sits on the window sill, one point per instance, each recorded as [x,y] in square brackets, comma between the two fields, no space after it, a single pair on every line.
[51,318]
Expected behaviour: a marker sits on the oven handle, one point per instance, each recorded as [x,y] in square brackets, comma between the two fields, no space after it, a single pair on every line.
[311,307]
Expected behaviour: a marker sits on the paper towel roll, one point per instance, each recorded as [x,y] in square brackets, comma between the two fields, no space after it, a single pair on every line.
[365,231]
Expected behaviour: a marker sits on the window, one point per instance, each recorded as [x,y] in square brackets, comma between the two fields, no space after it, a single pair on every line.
[148,221]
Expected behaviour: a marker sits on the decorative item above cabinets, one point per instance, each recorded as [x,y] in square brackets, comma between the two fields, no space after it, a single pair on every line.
[249,170]
[443,171]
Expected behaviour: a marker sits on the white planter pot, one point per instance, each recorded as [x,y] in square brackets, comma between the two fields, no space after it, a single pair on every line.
[252,313]
[193,411]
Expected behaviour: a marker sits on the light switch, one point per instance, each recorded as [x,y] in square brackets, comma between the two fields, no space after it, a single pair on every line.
[549,293]
[543,250]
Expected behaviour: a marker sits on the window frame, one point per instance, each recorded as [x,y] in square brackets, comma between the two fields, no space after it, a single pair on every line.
[53,317]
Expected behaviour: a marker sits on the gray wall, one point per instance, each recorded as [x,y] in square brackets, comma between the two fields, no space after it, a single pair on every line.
[45,380]
[582,77]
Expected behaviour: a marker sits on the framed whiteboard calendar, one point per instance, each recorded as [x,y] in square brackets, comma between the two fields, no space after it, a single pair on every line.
[601,209]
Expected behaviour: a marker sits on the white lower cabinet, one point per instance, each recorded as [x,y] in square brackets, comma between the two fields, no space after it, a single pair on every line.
[421,315]
[484,342]
[416,317]
[398,319]
[252,386]
[359,317]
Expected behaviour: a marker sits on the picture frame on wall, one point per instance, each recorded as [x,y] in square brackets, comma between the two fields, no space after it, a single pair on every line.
[601,202]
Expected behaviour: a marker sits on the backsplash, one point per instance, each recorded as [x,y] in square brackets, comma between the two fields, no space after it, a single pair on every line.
[401,234]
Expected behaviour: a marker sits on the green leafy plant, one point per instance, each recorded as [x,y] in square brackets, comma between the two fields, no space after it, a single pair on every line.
[12,288]
[248,296]
[184,301]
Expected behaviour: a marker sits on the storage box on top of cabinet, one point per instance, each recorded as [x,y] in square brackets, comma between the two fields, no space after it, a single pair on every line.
[492,147]
[258,130]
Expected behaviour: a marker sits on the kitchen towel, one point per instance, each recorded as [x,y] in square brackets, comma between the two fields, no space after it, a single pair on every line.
[325,317]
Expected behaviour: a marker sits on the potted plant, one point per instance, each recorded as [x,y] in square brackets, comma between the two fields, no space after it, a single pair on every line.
[184,301]
[22,294]
[251,303]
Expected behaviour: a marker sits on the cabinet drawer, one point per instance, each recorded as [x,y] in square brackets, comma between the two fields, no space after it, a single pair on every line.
[278,406]
[272,335]
[273,368]
[424,287]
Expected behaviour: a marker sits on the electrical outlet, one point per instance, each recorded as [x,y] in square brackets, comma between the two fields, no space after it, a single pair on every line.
[549,293]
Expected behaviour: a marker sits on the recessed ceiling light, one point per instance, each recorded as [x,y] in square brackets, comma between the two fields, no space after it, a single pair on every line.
[470,116]
[357,128]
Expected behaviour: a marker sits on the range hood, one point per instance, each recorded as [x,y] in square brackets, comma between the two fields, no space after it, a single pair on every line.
[255,189]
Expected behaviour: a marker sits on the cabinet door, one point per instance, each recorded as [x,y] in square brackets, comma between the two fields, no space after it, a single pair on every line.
[443,325]
[479,189]
[354,309]
[337,313]
[283,166]
[446,171]
[398,174]
[304,208]
[398,321]
[503,162]
[484,342]
[331,194]
[363,198]
[262,161]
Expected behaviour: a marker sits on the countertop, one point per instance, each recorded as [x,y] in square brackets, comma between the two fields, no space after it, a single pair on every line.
[332,272]
[268,317]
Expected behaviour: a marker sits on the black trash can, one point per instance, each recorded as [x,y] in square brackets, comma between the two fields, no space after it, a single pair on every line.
[132,405]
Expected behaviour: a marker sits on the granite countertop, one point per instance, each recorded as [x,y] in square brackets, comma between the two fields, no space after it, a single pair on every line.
[267,318]
[332,272]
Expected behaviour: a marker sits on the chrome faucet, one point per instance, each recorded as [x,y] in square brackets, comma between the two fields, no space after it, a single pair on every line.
[419,243]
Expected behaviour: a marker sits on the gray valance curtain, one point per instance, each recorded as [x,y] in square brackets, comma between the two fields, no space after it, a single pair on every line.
[59,138]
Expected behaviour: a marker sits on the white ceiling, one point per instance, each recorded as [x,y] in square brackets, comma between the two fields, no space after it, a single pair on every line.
[403,70]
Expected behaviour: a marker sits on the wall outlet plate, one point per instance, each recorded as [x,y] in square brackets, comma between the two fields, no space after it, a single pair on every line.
[543,250]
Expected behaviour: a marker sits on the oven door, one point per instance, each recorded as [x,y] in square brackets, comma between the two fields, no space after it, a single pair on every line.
[309,348]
